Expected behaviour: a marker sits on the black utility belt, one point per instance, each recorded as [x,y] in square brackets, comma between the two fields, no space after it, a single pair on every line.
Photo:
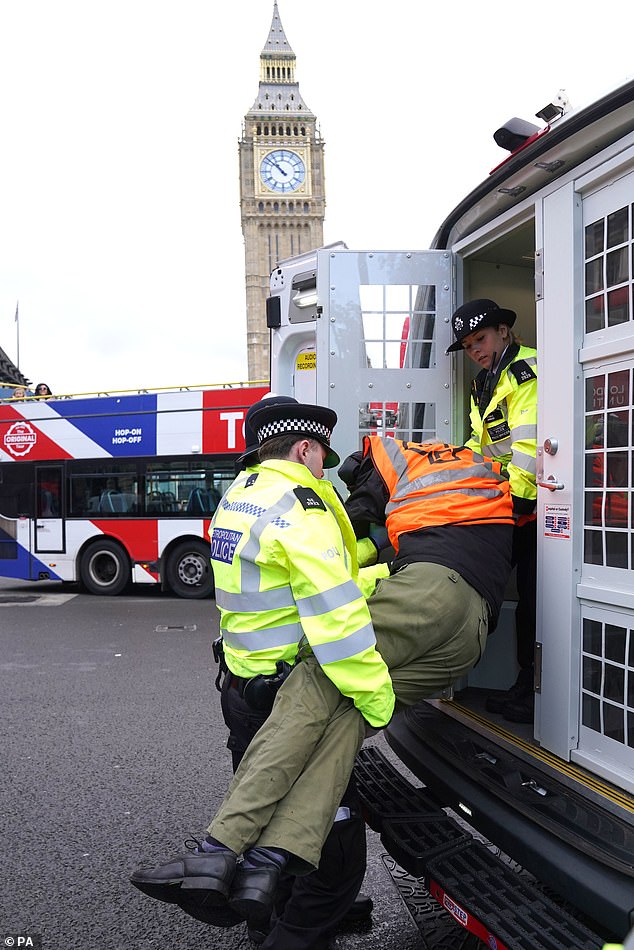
[259,691]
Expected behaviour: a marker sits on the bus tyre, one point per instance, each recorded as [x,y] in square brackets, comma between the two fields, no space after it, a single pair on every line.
[189,572]
[104,568]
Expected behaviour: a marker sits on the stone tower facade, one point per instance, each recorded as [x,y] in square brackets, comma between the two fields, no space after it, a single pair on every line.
[282,188]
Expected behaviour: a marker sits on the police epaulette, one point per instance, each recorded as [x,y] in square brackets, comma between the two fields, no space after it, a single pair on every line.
[522,371]
[251,480]
[309,499]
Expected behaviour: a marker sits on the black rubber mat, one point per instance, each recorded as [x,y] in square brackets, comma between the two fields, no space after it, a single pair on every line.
[385,793]
[485,895]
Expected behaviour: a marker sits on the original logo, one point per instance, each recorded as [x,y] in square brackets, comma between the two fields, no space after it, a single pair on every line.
[20,438]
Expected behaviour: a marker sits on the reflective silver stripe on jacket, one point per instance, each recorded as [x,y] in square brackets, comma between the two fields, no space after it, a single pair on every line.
[472,492]
[529,360]
[479,470]
[496,449]
[527,463]
[524,433]
[268,638]
[250,571]
[405,489]
[251,601]
[357,642]
[327,600]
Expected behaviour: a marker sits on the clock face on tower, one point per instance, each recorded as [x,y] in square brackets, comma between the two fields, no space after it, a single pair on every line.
[282,170]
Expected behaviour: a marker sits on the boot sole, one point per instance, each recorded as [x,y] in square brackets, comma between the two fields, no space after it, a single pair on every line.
[203,891]
[166,891]
[250,908]
[208,891]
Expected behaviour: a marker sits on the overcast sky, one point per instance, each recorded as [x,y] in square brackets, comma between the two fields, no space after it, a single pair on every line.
[119,198]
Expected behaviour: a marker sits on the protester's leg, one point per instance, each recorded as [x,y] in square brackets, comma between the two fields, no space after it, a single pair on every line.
[309,906]
[319,901]
[299,762]
[431,628]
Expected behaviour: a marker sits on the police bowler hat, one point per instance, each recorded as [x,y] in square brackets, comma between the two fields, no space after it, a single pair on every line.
[250,454]
[304,420]
[476,314]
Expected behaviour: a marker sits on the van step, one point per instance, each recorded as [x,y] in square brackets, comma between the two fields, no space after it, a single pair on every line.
[484,894]
[561,811]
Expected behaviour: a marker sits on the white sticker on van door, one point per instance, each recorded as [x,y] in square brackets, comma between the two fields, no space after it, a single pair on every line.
[557,521]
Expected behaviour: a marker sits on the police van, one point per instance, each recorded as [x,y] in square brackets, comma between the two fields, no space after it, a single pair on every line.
[546,857]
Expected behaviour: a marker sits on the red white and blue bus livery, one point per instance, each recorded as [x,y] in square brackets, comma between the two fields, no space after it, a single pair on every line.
[111,489]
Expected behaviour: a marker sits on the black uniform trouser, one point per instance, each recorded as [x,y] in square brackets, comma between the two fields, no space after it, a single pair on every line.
[310,906]
[524,558]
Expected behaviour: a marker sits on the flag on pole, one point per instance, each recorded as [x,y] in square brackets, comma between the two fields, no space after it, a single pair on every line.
[17,334]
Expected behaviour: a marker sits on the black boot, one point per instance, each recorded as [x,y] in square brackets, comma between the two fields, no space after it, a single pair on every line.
[518,699]
[205,877]
[255,885]
[521,708]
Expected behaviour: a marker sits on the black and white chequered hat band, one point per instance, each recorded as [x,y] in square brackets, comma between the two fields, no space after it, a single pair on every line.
[477,314]
[282,426]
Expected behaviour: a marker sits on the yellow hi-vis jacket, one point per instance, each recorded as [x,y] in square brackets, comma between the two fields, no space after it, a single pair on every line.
[506,428]
[284,556]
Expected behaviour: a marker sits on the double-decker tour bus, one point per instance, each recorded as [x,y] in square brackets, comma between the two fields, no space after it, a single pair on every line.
[547,857]
[112,489]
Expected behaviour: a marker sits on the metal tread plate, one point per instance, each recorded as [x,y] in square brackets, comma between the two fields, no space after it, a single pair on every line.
[481,892]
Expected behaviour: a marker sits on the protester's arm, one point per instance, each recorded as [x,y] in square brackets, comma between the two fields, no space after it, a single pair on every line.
[368,493]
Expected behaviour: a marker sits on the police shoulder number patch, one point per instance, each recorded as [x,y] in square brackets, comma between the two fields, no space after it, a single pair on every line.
[522,371]
[309,499]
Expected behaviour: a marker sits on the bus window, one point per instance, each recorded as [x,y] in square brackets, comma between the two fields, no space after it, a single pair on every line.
[48,487]
[16,491]
[109,489]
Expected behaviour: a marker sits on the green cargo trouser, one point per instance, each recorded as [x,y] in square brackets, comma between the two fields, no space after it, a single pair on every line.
[431,628]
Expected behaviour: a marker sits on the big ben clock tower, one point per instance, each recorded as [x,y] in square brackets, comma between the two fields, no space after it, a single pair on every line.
[282,198]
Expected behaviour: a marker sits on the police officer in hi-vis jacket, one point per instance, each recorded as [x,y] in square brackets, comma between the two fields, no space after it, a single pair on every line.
[503,415]
[312,907]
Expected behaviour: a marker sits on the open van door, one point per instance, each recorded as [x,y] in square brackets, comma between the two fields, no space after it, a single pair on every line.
[365,333]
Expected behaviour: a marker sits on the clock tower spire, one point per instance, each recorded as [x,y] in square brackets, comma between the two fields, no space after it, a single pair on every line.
[282,194]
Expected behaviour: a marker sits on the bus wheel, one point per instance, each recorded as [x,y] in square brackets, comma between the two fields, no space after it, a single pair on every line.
[189,572]
[104,568]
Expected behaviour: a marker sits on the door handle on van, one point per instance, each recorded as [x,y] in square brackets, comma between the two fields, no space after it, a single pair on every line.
[551,484]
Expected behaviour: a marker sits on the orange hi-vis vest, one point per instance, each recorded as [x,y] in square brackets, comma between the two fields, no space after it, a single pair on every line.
[432,484]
